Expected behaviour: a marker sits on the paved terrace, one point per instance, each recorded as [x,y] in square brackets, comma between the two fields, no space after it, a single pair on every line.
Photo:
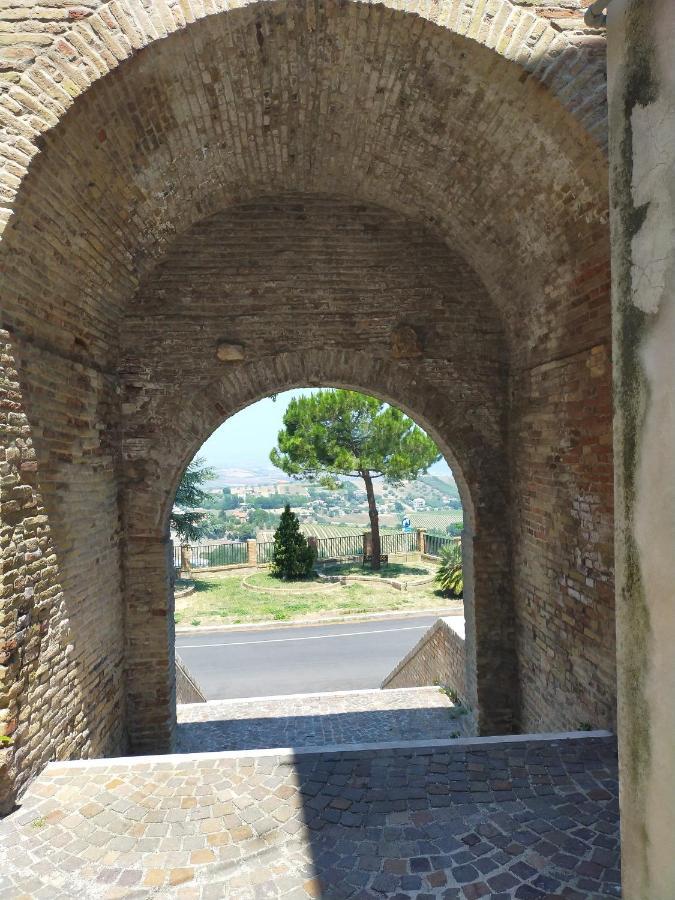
[523,819]
[318,720]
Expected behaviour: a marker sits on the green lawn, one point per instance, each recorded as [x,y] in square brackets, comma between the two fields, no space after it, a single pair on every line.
[264,580]
[401,571]
[222,599]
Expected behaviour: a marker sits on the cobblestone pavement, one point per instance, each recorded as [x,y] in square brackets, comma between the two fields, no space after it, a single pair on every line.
[317,720]
[522,820]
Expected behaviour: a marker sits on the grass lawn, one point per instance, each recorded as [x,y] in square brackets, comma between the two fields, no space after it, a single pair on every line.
[400,571]
[221,598]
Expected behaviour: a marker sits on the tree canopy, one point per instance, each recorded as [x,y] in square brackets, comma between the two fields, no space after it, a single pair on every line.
[185,520]
[335,433]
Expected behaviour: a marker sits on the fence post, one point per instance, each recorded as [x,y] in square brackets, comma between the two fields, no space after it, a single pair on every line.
[367,544]
[185,557]
[251,552]
[420,540]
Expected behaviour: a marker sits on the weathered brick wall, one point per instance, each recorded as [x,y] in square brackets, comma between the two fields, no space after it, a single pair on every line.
[480,125]
[561,457]
[439,657]
[563,543]
[187,689]
[549,35]
[61,646]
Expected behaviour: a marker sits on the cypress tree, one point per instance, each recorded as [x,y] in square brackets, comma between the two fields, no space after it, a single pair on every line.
[292,556]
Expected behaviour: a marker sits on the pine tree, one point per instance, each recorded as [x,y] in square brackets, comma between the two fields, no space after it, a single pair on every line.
[292,556]
[336,433]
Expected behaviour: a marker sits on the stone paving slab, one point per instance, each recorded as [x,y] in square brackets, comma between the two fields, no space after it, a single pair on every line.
[521,820]
[312,720]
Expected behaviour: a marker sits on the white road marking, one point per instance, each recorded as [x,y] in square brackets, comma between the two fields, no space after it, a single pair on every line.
[315,637]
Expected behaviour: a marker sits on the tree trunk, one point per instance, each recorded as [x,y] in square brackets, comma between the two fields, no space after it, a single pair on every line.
[374,520]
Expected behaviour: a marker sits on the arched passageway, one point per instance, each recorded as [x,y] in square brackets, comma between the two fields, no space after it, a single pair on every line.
[307,186]
[325,305]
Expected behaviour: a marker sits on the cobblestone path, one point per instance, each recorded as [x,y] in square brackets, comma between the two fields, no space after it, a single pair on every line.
[529,819]
[317,720]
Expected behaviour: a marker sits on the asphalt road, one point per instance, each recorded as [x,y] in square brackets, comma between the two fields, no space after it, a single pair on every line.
[295,660]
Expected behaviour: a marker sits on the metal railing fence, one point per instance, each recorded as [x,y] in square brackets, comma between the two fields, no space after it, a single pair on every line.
[205,556]
[264,552]
[398,542]
[434,545]
[339,547]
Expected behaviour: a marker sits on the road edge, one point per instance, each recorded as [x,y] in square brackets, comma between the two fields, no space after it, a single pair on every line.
[320,620]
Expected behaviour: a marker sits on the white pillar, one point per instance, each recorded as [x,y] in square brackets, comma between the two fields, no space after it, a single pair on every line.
[641,70]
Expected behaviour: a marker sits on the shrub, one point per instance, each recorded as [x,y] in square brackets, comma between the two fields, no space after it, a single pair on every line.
[449,576]
[292,556]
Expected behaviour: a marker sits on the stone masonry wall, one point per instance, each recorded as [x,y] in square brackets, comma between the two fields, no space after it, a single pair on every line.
[563,541]
[60,633]
[439,657]
[29,31]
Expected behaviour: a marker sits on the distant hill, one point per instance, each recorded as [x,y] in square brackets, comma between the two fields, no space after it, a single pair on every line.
[444,484]
[255,475]
[429,521]
[311,529]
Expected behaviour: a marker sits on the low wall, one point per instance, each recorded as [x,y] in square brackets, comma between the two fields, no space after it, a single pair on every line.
[187,689]
[437,658]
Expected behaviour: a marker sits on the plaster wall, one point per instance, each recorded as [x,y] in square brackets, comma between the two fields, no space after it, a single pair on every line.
[642,134]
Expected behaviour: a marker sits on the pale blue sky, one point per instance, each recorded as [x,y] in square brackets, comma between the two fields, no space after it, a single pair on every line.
[246,439]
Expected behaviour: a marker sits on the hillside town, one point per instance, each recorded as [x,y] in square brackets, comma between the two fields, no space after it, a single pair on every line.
[243,504]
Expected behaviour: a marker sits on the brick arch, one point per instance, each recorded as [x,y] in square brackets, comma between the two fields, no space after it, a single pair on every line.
[119,138]
[369,270]
[114,32]
[152,478]
[355,371]
[507,173]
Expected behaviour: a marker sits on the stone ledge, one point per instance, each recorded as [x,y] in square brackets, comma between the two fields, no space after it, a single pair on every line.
[390,582]
[279,590]
[287,754]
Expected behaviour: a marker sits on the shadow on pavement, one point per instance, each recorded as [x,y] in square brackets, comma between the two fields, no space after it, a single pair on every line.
[520,821]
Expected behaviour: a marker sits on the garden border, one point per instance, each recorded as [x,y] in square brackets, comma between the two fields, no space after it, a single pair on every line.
[275,590]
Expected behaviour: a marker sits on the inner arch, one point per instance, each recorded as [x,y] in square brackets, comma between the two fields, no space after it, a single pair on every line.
[441,441]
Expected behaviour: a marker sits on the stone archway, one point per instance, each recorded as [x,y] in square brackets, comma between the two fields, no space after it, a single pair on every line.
[54,65]
[447,124]
[492,689]
[353,260]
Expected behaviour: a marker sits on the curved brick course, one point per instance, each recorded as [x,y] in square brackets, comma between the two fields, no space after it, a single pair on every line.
[51,55]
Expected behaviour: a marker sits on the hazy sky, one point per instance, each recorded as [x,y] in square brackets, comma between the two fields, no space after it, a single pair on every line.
[246,439]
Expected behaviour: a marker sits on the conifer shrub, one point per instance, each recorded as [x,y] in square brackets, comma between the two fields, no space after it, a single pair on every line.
[292,556]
